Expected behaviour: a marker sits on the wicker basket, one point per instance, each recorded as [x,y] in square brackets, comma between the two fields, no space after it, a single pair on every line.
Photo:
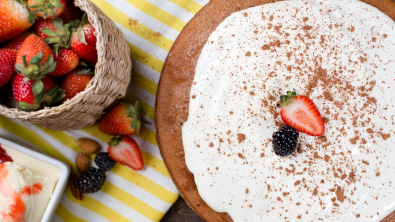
[112,76]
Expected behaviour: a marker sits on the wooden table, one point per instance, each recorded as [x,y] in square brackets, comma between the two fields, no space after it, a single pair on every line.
[180,212]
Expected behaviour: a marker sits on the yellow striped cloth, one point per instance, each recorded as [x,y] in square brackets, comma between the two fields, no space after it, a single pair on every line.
[150,28]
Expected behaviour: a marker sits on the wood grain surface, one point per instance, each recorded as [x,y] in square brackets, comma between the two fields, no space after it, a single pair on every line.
[181,212]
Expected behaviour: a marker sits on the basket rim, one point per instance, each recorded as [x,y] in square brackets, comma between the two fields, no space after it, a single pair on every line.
[70,103]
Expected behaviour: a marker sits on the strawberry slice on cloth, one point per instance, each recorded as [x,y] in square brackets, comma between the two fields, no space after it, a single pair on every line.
[126,151]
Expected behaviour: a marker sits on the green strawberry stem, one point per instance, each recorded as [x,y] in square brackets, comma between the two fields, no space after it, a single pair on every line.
[85,69]
[137,113]
[42,99]
[34,70]
[32,17]
[62,37]
[287,99]
[80,32]
[115,141]
[46,6]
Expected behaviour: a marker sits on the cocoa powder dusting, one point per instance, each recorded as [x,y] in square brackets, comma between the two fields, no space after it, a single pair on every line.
[241,137]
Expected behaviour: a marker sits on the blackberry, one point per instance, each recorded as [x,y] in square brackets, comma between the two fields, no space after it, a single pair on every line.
[285,141]
[104,162]
[91,180]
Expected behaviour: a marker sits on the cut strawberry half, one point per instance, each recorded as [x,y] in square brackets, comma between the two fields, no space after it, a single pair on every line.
[301,113]
[4,156]
[126,151]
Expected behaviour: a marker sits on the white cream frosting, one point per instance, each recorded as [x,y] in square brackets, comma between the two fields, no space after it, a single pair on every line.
[19,177]
[341,54]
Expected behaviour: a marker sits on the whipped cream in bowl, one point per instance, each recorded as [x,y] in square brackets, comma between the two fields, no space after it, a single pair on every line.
[31,184]
[341,54]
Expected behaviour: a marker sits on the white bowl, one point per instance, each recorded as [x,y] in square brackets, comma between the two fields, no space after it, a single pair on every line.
[28,157]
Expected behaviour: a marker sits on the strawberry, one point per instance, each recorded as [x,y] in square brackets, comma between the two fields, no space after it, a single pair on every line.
[54,32]
[47,9]
[71,12]
[123,119]
[34,59]
[126,151]
[15,18]
[75,82]
[66,61]
[83,42]
[16,42]
[7,64]
[27,96]
[302,114]
[4,156]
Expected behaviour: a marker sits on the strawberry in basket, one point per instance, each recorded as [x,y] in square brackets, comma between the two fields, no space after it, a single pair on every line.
[47,9]
[31,87]
[83,42]
[75,82]
[7,64]
[16,42]
[55,32]
[71,12]
[66,60]
[15,19]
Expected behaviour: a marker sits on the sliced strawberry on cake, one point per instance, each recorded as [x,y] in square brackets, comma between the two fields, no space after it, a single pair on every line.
[126,151]
[301,113]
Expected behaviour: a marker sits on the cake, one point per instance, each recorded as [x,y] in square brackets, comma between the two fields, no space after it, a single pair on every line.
[216,110]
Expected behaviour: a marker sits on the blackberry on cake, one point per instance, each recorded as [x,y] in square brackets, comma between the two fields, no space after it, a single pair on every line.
[91,180]
[104,162]
[285,141]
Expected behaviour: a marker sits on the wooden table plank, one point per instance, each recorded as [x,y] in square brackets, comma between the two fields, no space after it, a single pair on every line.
[180,212]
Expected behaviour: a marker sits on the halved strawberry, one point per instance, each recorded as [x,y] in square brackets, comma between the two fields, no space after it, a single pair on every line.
[302,114]
[126,151]
[4,156]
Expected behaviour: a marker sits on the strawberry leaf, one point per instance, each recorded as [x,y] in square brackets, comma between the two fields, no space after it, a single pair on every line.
[58,23]
[38,90]
[115,141]
[287,99]
[136,124]
[20,69]
[81,36]
[49,32]
[37,58]
[52,96]
[25,64]
[27,106]
[132,111]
